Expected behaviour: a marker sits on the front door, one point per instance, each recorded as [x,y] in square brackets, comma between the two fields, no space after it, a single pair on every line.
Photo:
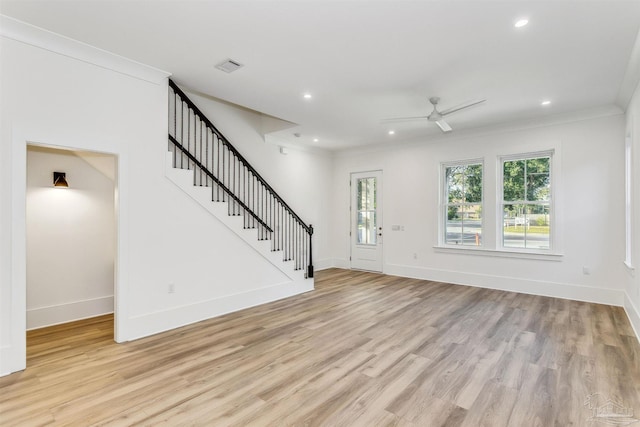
[366,221]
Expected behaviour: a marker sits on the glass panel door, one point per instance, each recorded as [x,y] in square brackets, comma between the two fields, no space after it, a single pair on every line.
[366,206]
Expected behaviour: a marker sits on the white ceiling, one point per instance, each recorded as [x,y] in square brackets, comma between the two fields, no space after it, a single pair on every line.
[364,61]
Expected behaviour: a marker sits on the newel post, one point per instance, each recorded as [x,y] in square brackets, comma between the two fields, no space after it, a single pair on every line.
[310,267]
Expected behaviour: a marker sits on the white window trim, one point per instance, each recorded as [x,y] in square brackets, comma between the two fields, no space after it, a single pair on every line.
[498,253]
[628,194]
[442,217]
[553,235]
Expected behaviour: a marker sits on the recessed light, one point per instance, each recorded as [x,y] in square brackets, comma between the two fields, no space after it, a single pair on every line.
[392,132]
[546,102]
[521,22]
[307,96]
[315,140]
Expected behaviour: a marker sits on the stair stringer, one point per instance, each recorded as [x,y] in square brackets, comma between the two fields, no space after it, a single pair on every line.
[183,179]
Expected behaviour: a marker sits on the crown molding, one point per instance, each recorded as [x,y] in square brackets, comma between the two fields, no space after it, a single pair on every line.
[23,32]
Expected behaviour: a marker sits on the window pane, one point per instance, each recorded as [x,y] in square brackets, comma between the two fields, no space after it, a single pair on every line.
[371,193]
[514,226]
[463,204]
[513,180]
[473,184]
[455,184]
[526,226]
[366,232]
[464,225]
[453,232]
[538,234]
[366,196]
[366,201]
[538,183]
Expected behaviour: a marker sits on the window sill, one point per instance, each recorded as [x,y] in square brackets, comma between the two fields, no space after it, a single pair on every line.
[499,253]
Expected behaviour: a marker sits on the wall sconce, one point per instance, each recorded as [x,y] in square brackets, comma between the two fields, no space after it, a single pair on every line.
[59,180]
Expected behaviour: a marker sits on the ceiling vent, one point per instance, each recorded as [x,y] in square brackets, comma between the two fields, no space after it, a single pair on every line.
[229,66]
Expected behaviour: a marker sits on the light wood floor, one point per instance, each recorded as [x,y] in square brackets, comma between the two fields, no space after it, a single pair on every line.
[363,349]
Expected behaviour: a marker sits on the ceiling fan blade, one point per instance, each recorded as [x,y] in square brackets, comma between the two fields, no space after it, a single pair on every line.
[461,107]
[444,126]
[402,119]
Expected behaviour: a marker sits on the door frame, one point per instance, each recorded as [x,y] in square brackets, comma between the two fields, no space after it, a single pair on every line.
[14,356]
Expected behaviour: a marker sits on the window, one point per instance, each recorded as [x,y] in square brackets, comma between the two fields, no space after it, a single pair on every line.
[526,201]
[463,203]
[367,208]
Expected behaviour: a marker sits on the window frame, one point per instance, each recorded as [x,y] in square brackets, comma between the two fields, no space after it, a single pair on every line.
[444,202]
[501,202]
[628,196]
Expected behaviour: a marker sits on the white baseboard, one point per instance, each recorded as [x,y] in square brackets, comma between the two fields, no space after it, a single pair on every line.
[161,321]
[332,263]
[512,284]
[341,263]
[68,312]
[632,314]
[323,264]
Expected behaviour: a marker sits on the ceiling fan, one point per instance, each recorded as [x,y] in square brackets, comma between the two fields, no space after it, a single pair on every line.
[437,116]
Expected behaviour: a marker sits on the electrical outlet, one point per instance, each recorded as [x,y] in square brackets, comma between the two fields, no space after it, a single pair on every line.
[172,288]
[586,271]
[415,255]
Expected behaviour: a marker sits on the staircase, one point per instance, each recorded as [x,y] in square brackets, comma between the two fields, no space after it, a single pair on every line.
[203,163]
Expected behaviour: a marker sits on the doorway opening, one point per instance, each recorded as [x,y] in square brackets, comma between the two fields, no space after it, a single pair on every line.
[71,242]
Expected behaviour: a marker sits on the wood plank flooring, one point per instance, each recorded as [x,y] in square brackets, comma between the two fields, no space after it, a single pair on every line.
[361,350]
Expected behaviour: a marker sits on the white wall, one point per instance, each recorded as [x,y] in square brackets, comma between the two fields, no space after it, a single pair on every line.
[589,215]
[70,239]
[632,296]
[163,235]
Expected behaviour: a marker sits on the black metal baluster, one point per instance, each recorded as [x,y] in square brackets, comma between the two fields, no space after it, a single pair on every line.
[218,170]
[189,139]
[286,235]
[290,234]
[310,267]
[181,132]
[237,178]
[224,155]
[175,128]
[232,159]
[278,221]
[206,152]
